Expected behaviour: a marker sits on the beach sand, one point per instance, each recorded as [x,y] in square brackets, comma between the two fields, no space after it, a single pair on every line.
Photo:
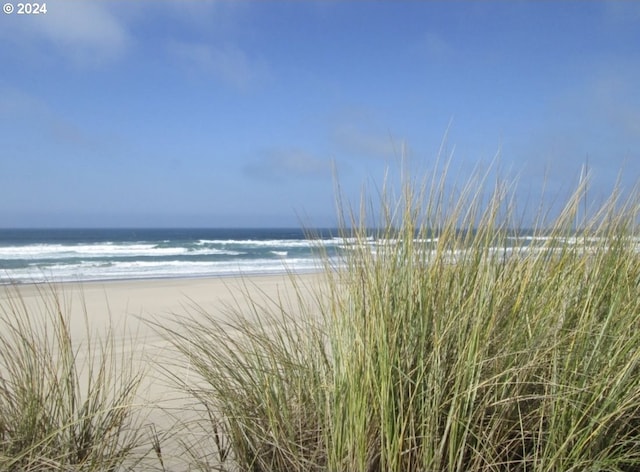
[130,308]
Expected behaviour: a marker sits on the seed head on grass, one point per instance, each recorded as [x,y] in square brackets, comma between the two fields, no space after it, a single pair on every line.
[448,340]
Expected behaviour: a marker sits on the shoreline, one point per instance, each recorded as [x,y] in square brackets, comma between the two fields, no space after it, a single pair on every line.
[156,296]
[238,275]
[226,275]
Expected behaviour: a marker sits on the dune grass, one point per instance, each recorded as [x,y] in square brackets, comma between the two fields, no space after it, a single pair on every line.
[443,340]
[64,405]
[448,343]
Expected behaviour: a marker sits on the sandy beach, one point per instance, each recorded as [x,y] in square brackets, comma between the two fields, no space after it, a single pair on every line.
[133,301]
[129,308]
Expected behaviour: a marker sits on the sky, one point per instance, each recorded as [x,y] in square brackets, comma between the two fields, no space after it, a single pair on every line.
[246,113]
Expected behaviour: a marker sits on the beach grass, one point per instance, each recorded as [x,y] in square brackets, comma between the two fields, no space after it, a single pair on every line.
[454,343]
[64,404]
[444,338]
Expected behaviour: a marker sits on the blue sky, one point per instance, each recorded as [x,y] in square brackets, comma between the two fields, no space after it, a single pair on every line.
[220,113]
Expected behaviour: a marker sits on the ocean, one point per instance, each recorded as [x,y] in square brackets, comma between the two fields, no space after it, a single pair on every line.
[64,255]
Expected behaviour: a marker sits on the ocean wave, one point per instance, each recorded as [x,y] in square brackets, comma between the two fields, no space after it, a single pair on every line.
[278,243]
[96,271]
[105,250]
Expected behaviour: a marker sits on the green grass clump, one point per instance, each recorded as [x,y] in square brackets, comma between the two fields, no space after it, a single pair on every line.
[452,343]
[258,379]
[64,405]
[471,355]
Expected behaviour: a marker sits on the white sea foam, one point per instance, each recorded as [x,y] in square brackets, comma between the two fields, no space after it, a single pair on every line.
[93,271]
[98,255]
[104,250]
[564,239]
[306,243]
[87,262]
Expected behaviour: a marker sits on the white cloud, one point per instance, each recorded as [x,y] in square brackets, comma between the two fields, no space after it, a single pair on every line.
[436,46]
[17,103]
[205,16]
[366,142]
[361,131]
[19,108]
[228,63]
[86,33]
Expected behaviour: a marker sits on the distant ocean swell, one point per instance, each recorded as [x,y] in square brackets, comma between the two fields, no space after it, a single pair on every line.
[93,255]
[116,254]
